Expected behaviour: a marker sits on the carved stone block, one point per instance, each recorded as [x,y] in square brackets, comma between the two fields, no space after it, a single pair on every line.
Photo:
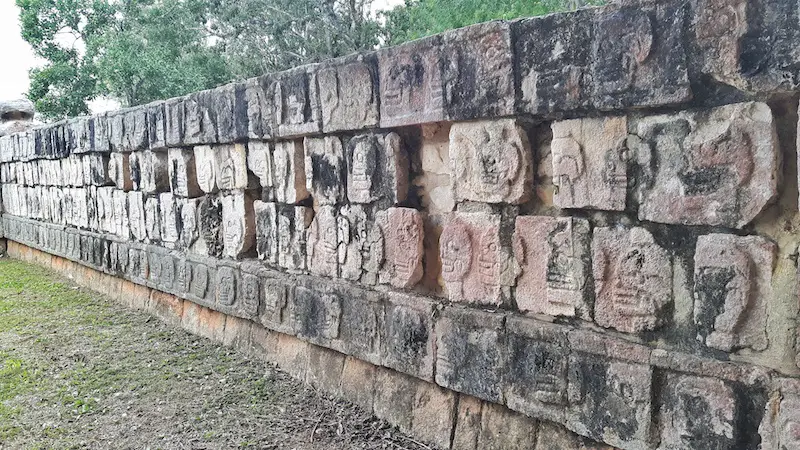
[348,93]
[325,169]
[136,216]
[538,365]
[632,278]
[95,170]
[206,168]
[478,72]
[227,284]
[238,225]
[190,222]
[590,163]
[316,315]
[153,172]
[408,341]
[360,323]
[698,413]
[227,106]
[211,229]
[361,245]
[711,167]
[781,422]
[199,286]
[322,243]
[173,108]
[411,83]
[266,220]
[121,222]
[170,219]
[135,129]
[259,161]
[157,125]
[292,224]
[119,171]
[476,266]
[135,169]
[274,314]
[491,162]
[554,259]
[610,401]
[260,107]
[289,172]
[182,173]
[230,166]
[378,168]
[403,233]
[198,124]
[296,102]
[469,355]
[732,288]
[152,219]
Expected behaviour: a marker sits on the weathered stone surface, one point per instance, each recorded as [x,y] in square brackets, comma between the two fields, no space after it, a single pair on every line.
[411,84]
[170,219]
[316,316]
[227,108]
[238,225]
[361,323]
[325,169]
[632,278]
[551,436]
[361,245]
[408,340]
[260,107]
[190,222]
[611,401]
[780,427]
[230,166]
[135,130]
[469,358]
[266,221]
[476,265]
[289,172]
[590,163]
[182,173]
[433,414]
[292,224]
[554,259]
[477,71]
[274,314]
[710,167]
[377,167]
[119,171]
[348,93]
[227,286]
[211,226]
[491,162]
[152,218]
[154,172]
[403,235]
[95,170]
[206,168]
[322,243]
[198,123]
[121,222]
[173,109]
[157,125]
[698,413]
[259,161]
[538,361]
[732,288]
[296,101]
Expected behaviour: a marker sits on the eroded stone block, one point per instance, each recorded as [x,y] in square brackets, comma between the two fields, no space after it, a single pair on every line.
[121,222]
[411,83]
[698,413]
[238,225]
[152,219]
[231,166]
[478,72]
[260,107]
[732,288]
[119,171]
[632,278]
[211,225]
[711,167]
[491,162]
[227,106]
[293,221]
[296,101]
[377,169]
[95,170]
[554,259]
[157,125]
[476,265]
[154,172]
[205,168]
[135,129]
[289,172]
[227,285]
[173,109]
[325,169]
[182,173]
[316,315]
[348,93]
[274,314]
[590,163]
[407,344]
[403,235]
[259,161]
[266,221]
[190,222]
[780,426]
[136,216]
[322,243]
[170,219]
[361,245]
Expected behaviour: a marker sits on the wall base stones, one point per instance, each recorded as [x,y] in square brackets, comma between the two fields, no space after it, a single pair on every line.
[429,413]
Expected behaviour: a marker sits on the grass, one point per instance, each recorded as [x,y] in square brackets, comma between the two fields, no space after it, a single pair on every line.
[79,371]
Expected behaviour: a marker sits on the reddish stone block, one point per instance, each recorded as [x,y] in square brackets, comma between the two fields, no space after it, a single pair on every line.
[468,423]
[476,267]
[358,383]
[403,233]
[503,429]
[292,355]
[325,369]
[554,259]
[779,426]
[699,413]
[322,243]
[394,398]
[433,414]
[237,333]
[633,279]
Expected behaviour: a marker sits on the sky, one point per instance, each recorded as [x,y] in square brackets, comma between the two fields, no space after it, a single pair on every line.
[19,56]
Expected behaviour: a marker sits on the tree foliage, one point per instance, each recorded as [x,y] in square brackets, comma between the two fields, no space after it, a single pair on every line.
[138,51]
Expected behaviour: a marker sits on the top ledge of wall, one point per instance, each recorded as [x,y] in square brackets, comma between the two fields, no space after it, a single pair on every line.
[619,57]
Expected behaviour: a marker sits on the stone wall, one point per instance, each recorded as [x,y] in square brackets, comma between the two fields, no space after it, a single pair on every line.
[588,218]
